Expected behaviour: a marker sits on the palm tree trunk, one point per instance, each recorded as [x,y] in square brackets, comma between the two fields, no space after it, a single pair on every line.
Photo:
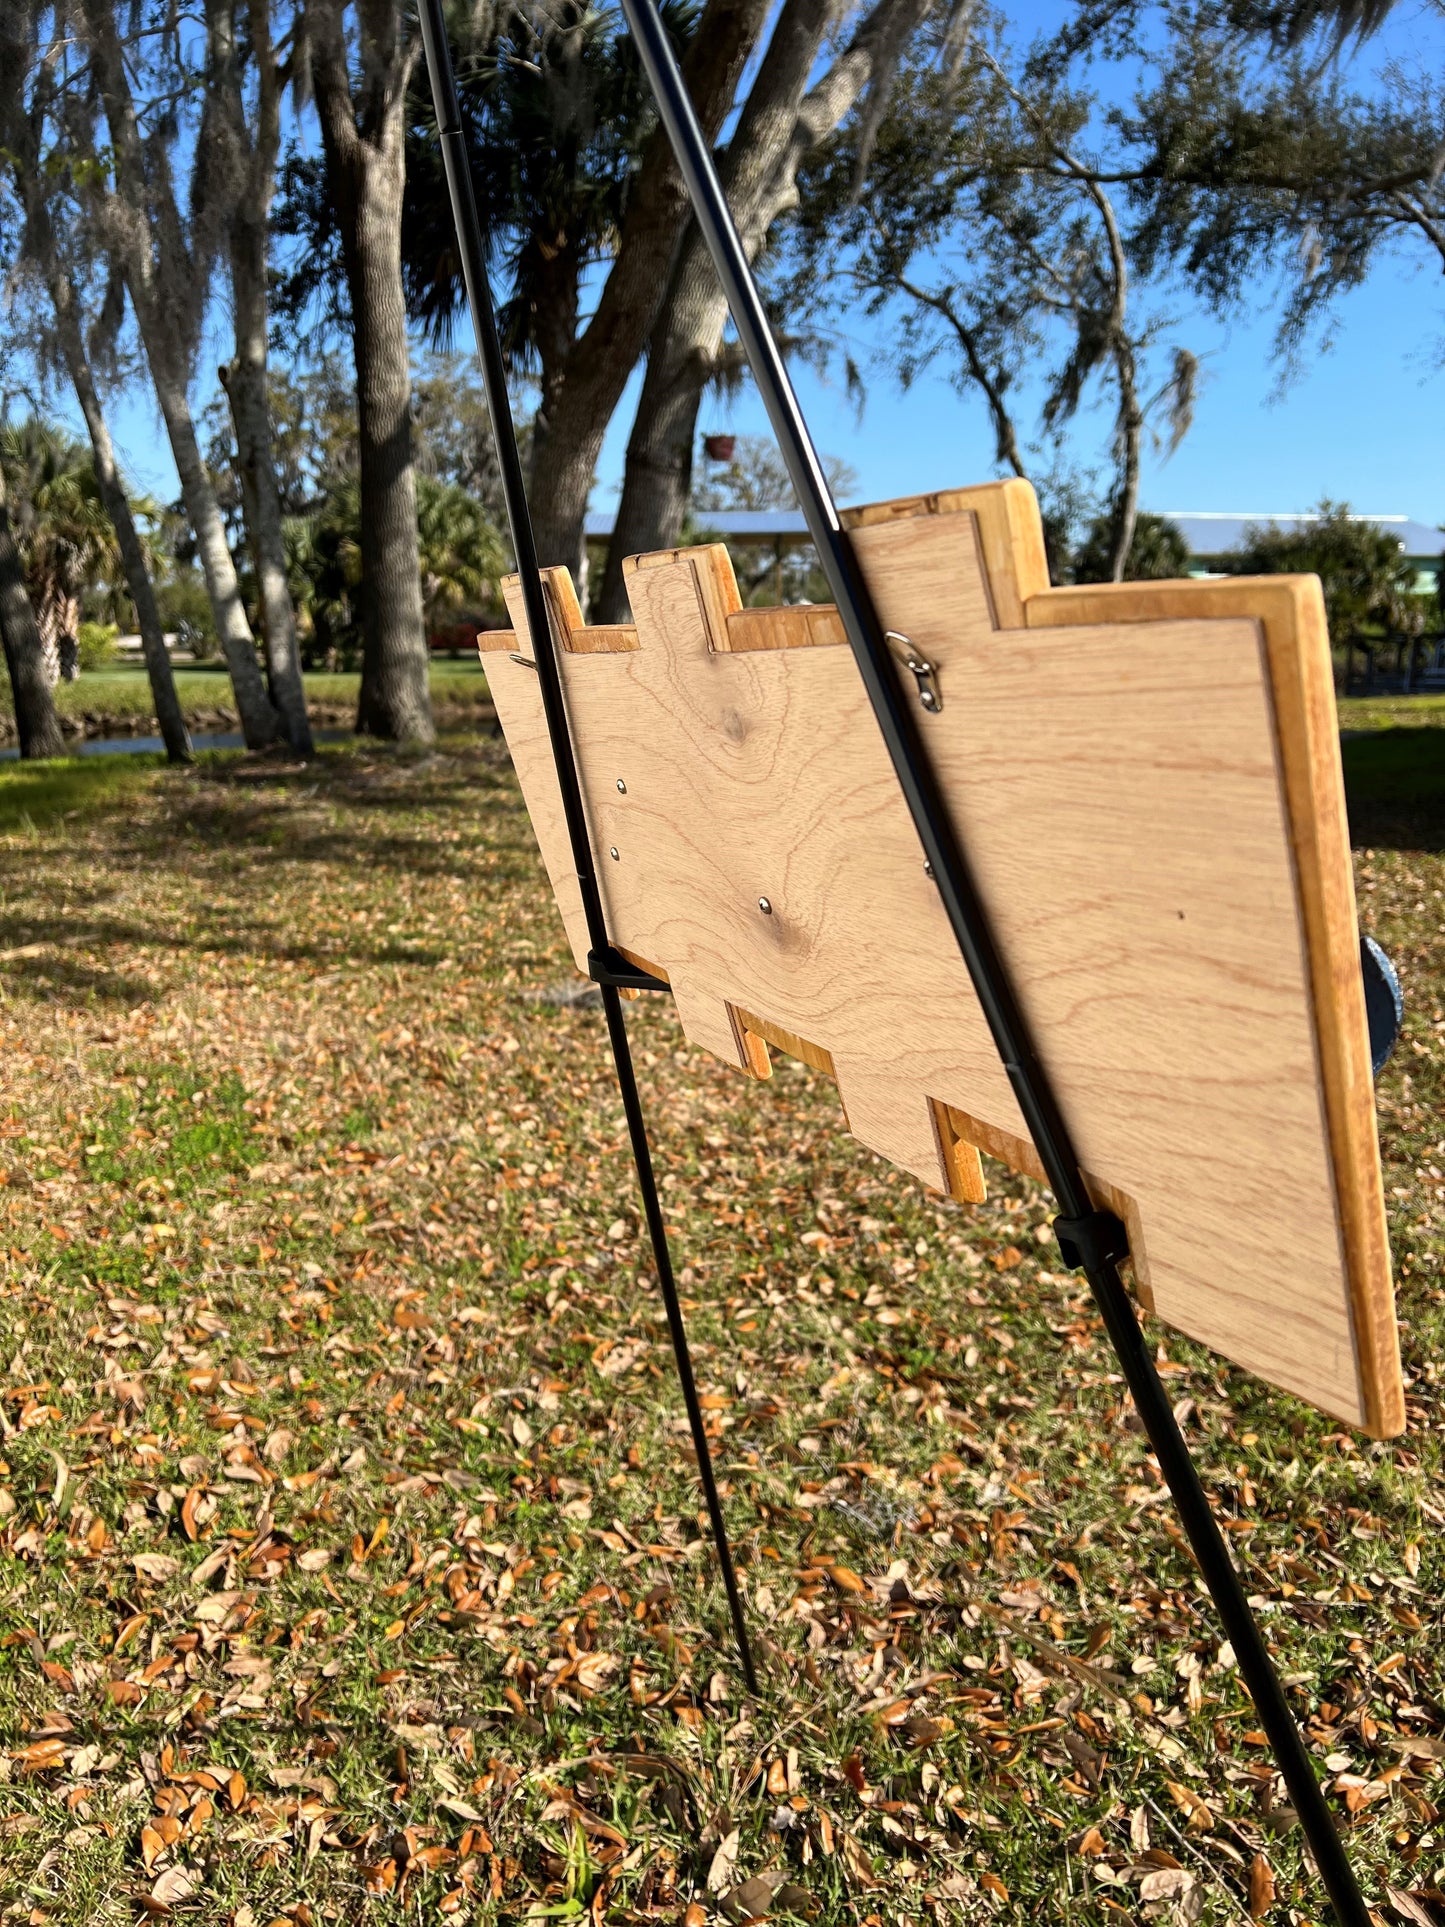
[365,170]
[245,385]
[36,721]
[245,381]
[165,304]
[169,715]
[259,721]
[1129,434]
[31,182]
[47,626]
[657,480]
[395,699]
[568,439]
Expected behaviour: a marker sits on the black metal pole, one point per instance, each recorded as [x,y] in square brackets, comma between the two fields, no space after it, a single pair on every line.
[608,968]
[1089,1239]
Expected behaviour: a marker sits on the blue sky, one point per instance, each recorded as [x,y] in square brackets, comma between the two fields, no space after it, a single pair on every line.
[1363,421]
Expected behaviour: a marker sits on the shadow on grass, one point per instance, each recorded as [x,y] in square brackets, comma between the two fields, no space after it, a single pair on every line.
[69,980]
[1395,788]
[275,816]
[33,794]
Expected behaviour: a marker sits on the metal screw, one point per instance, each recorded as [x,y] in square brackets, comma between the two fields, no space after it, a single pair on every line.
[927,867]
[613,854]
[765,906]
[621,787]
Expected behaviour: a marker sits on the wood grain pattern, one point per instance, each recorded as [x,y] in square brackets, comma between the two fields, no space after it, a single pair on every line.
[1145,791]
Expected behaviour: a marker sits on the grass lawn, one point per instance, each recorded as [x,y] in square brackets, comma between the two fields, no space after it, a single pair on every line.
[1392,712]
[351,1563]
[121,693]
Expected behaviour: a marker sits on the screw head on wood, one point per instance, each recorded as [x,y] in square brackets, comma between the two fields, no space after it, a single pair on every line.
[765,906]
[613,854]
[621,787]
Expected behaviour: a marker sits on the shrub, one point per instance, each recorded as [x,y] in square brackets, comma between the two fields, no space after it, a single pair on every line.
[1361,567]
[97,644]
[1158,551]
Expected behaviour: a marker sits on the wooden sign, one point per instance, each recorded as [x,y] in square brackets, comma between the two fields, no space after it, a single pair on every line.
[1146,779]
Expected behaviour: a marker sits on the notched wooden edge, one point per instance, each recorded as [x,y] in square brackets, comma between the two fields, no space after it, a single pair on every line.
[1290,611]
[577,637]
[759,1028]
[962,1164]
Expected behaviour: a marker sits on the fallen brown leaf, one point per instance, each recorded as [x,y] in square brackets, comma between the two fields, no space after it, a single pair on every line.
[1261,1887]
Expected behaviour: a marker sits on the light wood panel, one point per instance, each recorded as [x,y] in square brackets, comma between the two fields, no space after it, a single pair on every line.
[1291,615]
[1148,787]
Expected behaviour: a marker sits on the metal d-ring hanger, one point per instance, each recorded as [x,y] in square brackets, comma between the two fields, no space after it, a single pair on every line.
[607,967]
[1090,1240]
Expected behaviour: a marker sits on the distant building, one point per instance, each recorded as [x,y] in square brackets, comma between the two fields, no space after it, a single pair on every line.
[1213,533]
[735,525]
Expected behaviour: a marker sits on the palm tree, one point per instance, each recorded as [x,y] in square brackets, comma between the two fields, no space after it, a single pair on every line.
[461,556]
[461,553]
[1158,551]
[36,722]
[66,536]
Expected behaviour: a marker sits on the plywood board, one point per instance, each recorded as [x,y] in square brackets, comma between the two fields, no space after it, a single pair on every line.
[1146,779]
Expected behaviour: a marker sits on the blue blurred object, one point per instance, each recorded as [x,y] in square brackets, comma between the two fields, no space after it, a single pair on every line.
[1384,1002]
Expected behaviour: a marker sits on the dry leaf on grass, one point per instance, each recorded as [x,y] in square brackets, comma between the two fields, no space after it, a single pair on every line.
[1421,1906]
[720,1873]
[155,1565]
[174,1885]
[1261,1887]
[595,1669]
[751,1899]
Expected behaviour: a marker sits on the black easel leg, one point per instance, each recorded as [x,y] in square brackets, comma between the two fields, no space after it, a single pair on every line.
[1221,1575]
[608,968]
[657,1231]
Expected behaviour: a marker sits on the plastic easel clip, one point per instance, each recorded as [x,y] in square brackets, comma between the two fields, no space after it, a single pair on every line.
[1089,1242]
[611,967]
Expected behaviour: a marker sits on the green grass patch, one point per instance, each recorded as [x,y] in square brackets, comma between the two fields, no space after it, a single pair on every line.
[1395,785]
[120,693]
[36,794]
[1392,712]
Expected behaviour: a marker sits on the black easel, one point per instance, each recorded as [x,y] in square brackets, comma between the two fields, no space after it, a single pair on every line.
[1090,1240]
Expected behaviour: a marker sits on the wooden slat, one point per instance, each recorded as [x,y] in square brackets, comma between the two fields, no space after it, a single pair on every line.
[1010,534]
[602,639]
[576,636]
[961,1162]
[1019,1154]
[809,625]
[785,1040]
